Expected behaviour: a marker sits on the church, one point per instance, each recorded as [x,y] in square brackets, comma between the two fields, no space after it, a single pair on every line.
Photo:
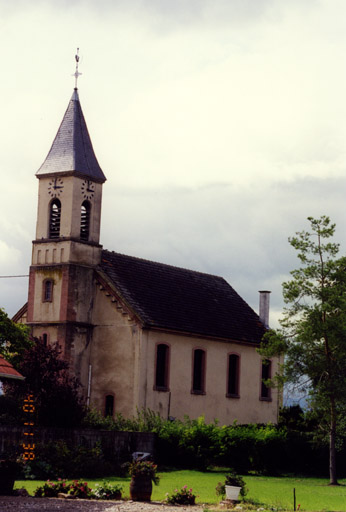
[137,333]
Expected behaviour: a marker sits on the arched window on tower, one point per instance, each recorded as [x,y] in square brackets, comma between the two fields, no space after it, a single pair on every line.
[85,221]
[47,290]
[54,219]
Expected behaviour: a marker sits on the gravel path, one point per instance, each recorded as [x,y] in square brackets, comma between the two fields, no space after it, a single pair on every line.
[19,504]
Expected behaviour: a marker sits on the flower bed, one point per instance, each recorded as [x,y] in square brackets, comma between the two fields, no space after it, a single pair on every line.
[79,489]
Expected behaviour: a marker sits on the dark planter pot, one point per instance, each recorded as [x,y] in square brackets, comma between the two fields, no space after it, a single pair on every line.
[8,474]
[141,488]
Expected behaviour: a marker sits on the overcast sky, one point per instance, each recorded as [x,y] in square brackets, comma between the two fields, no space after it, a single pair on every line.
[219,124]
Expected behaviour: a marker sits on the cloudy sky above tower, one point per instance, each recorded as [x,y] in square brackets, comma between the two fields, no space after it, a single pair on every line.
[219,124]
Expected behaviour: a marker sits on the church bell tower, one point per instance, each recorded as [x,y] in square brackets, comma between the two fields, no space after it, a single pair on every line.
[66,249]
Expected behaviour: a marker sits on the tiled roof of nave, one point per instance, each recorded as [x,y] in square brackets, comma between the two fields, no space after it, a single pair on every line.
[177,299]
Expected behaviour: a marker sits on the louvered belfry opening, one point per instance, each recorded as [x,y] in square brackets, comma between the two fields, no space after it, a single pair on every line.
[54,220]
[85,221]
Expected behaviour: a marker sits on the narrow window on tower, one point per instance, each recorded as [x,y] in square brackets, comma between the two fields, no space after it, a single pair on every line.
[233,376]
[162,367]
[109,405]
[85,221]
[266,371]
[198,372]
[47,292]
[54,219]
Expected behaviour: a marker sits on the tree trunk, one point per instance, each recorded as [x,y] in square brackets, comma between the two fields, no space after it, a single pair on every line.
[332,450]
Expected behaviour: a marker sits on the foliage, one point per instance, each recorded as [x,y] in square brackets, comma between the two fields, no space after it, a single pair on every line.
[313,329]
[56,393]
[233,479]
[14,339]
[51,489]
[143,468]
[107,491]
[145,420]
[266,449]
[58,459]
[184,496]
[79,489]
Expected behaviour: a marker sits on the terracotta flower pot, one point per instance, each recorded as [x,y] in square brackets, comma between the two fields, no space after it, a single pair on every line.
[141,488]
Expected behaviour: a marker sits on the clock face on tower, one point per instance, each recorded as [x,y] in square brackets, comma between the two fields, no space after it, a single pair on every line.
[88,189]
[55,187]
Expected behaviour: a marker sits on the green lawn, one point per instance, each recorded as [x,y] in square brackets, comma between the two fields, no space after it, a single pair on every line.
[313,494]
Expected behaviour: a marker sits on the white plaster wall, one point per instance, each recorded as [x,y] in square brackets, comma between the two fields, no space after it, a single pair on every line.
[214,404]
[114,356]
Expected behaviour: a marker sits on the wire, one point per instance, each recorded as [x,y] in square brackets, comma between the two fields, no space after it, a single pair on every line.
[24,275]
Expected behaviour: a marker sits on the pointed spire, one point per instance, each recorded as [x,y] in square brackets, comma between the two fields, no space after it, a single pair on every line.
[72,151]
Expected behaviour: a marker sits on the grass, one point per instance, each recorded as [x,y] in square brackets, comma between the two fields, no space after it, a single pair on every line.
[313,494]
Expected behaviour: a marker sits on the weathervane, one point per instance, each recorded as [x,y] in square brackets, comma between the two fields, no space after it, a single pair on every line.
[76,74]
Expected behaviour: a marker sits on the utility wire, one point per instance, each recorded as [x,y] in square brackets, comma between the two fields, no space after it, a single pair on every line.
[24,275]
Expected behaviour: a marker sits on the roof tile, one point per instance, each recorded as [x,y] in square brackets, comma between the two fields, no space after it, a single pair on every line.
[168,297]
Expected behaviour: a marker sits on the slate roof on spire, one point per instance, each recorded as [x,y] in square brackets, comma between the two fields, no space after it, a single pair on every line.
[72,151]
[171,298]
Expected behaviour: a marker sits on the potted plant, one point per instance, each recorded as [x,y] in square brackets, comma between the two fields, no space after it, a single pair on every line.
[9,469]
[142,474]
[233,486]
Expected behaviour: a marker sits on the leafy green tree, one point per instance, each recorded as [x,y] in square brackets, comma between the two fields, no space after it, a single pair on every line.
[14,339]
[313,328]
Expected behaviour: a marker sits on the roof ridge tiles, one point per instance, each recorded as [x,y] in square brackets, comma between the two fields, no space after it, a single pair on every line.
[166,264]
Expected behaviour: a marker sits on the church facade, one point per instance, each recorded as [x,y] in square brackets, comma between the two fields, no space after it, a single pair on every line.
[137,333]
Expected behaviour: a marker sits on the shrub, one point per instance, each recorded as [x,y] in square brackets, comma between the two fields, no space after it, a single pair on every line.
[107,491]
[80,489]
[52,489]
[184,496]
[59,459]
[143,468]
[234,480]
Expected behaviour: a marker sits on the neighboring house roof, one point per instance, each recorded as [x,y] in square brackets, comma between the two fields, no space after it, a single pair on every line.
[72,151]
[17,317]
[168,297]
[7,371]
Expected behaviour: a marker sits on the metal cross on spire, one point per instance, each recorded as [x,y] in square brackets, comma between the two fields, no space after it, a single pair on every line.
[76,74]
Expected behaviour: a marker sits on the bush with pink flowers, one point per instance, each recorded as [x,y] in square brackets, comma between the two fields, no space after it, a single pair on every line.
[183,496]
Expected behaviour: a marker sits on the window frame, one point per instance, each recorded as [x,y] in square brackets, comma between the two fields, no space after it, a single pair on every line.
[203,367]
[236,378]
[166,372]
[265,391]
[47,297]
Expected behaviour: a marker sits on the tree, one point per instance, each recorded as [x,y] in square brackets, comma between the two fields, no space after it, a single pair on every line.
[14,339]
[56,393]
[313,328]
